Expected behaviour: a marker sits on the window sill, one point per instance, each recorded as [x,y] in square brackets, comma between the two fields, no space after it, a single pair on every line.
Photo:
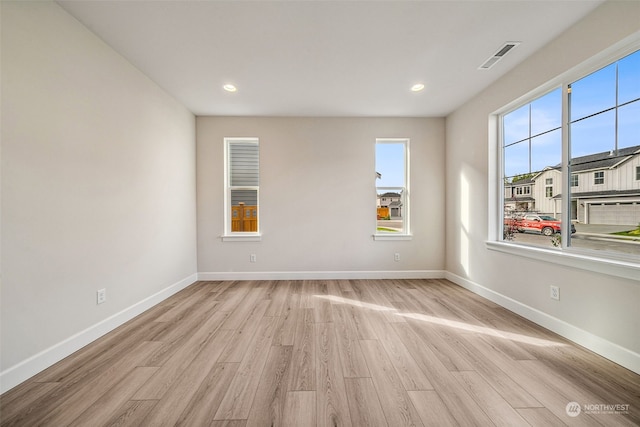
[610,266]
[244,237]
[392,237]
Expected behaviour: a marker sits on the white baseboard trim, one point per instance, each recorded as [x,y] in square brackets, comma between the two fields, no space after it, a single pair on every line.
[620,355]
[24,370]
[322,275]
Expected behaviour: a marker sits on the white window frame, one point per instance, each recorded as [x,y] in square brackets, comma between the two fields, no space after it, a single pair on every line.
[575,180]
[598,176]
[229,235]
[611,263]
[405,234]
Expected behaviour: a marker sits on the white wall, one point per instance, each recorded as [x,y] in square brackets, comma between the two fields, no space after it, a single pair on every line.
[594,307]
[318,199]
[98,188]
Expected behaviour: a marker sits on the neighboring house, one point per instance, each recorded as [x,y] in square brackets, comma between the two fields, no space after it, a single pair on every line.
[518,196]
[605,189]
[393,201]
[547,190]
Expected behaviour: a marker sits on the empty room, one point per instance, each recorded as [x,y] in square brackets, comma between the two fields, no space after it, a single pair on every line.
[320,213]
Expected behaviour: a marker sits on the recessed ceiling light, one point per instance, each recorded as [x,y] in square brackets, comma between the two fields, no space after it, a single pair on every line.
[229,88]
[417,87]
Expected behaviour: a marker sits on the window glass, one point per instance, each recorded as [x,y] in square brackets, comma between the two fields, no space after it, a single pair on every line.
[516,159]
[629,124]
[546,113]
[516,125]
[548,191]
[574,180]
[546,150]
[595,134]
[598,178]
[602,196]
[593,93]
[243,180]
[628,81]
[606,212]
[391,186]
[531,160]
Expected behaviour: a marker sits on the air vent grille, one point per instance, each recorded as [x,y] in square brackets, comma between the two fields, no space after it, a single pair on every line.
[504,49]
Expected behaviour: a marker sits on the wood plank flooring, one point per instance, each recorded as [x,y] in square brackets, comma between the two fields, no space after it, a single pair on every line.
[327,353]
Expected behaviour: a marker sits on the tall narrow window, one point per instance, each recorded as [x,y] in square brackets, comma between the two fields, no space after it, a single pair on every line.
[392,189]
[242,181]
[532,153]
[604,123]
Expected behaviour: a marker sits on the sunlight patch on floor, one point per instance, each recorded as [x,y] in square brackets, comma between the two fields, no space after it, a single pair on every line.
[446,322]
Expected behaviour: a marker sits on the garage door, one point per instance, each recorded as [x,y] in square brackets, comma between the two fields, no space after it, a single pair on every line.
[615,213]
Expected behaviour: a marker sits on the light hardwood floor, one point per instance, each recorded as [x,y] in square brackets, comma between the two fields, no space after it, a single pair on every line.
[326,353]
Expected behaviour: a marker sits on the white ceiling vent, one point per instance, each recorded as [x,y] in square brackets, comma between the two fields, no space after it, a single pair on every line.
[504,49]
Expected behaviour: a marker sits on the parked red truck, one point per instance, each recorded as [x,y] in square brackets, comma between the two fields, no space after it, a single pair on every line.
[543,224]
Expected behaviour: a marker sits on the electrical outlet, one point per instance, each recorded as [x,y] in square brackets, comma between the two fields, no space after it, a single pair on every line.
[555,292]
[101,296]
[252,258]
[396,256]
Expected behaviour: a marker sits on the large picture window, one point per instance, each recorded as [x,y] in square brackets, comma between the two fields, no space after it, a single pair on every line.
[392,187]
[600,141]
[604,130]
[242,182]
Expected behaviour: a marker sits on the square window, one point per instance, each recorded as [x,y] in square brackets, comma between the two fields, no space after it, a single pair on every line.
[598,177]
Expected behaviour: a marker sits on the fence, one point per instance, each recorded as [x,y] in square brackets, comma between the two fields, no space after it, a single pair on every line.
[244,218]
[383,213]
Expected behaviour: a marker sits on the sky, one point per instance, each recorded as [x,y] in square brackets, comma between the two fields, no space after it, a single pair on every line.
[589,95]
[390,163]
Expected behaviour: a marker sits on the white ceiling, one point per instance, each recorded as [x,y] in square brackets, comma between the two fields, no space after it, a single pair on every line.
[324,58]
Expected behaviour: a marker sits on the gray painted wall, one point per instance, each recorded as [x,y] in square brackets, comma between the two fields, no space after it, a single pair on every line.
[317,195]
[599,304]
[98,182]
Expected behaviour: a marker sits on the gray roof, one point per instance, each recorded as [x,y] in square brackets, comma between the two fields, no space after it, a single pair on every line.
[605,160]
[389,195]
[606,193]
[520,182]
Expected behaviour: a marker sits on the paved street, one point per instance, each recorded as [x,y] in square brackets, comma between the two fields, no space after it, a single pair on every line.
[589,236]
[392,223]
